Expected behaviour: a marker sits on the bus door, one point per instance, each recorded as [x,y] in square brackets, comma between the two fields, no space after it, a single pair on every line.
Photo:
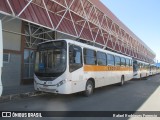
[135,69]
[75,67]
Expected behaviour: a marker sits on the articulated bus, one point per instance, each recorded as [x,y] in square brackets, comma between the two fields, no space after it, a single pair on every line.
[67,66]
[140,69]
[1,56]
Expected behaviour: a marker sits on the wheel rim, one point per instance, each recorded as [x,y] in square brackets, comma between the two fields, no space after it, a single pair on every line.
[89,88]
[122,81]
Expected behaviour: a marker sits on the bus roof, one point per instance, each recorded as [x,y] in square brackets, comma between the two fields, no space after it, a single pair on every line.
[83,45]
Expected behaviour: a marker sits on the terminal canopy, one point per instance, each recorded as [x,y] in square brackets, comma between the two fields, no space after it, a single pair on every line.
[87,20]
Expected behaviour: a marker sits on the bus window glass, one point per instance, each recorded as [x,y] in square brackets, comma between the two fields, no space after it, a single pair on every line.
[135,66]
[123,61]
[139,64]
[89,57]
[117,61]
[127,62]
[51,59]
[101,58]
[131,63]
[75,57]
[110,59]
[142,65]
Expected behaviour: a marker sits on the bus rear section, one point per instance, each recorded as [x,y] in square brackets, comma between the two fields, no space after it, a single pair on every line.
[158,70]
[140,69]
[153,69]
[66,66]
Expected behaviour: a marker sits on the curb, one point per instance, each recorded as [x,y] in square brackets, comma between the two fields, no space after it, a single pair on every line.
[8,98]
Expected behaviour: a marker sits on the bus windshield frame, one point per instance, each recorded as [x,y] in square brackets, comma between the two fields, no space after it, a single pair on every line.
[51,59]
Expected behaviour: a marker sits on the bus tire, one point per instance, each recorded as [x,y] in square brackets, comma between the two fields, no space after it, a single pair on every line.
[89,88]
[140,77]
[122,81]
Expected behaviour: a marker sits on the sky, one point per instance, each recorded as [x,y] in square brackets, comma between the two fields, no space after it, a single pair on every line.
[142,17]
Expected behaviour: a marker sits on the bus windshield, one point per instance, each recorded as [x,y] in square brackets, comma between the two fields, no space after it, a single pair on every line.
[51,59]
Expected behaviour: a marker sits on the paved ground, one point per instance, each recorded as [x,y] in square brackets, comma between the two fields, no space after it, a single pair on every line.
[129,97]
[10,90]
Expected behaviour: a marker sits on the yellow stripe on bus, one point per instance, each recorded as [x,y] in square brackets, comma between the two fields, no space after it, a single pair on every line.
[88,68]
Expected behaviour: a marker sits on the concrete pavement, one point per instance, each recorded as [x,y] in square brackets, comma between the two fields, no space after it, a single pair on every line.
[18,92]
[135,95]
[151,104]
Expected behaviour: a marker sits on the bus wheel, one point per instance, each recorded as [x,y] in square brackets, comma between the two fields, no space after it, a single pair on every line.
[122,81]
[140,77]
[89,88]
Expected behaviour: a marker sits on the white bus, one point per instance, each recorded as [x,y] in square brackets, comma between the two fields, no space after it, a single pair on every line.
[67,66]
[153,69]
[158,69]
[1,57]
[140,69]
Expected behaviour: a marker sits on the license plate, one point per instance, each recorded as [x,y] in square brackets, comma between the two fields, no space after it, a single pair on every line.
[45,86]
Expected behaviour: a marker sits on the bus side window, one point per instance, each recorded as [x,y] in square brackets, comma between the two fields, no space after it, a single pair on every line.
[75,58]
[131,63]
[139,65]
[127,62]
[123,61]
[142,65]
[110,60]
[89,57]
[101,58]
[117,61]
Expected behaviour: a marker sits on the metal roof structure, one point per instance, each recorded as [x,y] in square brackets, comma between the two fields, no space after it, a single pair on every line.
[88,20]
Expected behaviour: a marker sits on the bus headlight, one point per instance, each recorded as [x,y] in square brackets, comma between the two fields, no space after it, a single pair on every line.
[61,83]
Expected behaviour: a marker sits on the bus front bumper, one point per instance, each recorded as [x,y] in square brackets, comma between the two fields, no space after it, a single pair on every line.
[61,87]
